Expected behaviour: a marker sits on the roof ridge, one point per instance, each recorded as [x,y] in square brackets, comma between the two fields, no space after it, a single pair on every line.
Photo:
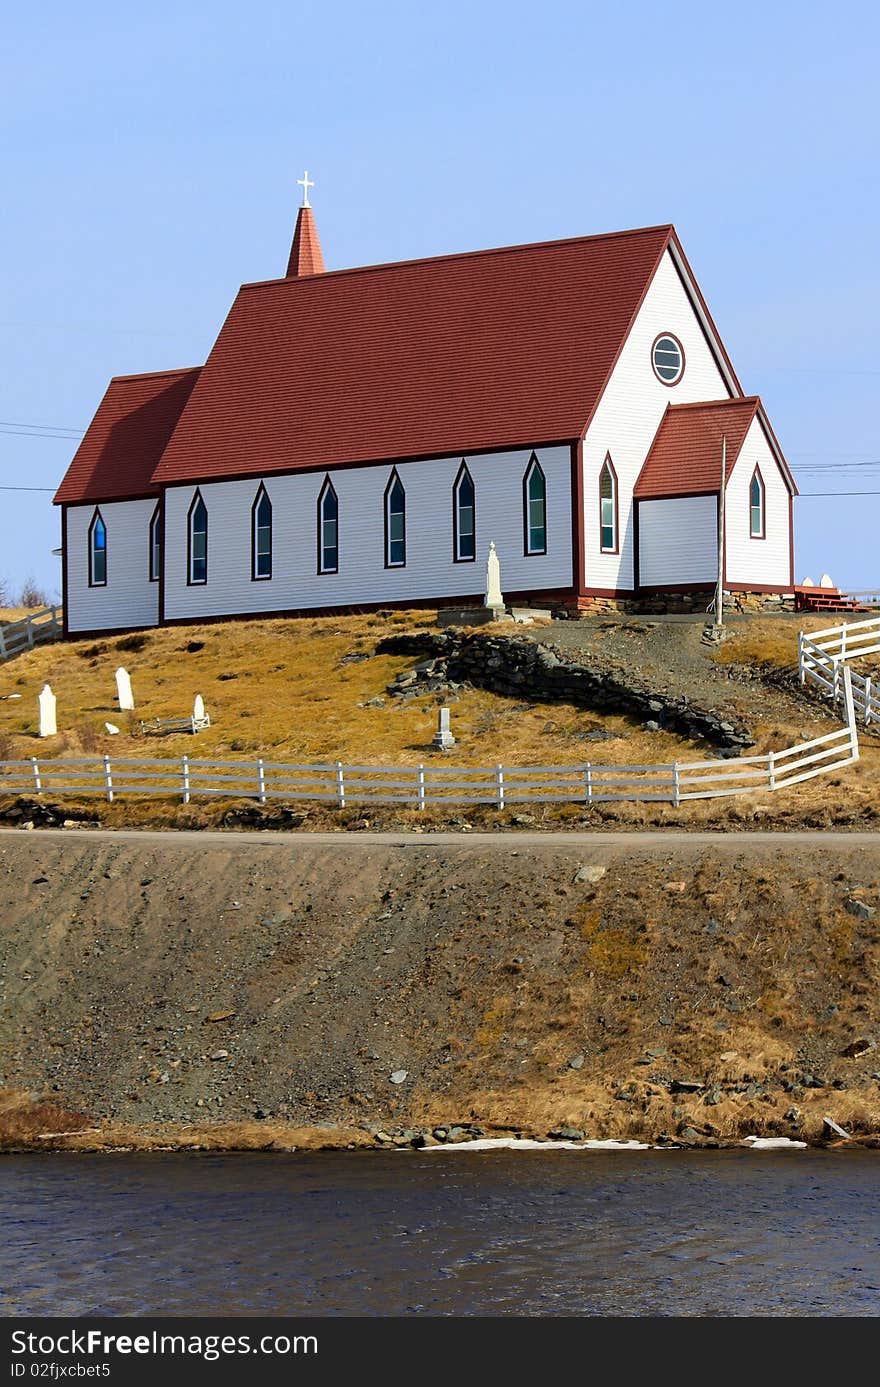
[666,227]
[152,375]
[715,404]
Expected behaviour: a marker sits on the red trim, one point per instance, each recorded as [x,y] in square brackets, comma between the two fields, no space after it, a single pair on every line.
[672,338]
[609,592]
[673,239]
[463,471]
[65,595]
[105,500]
[578,544]
[614,491]
[675,496]
[709,587]
[763,532]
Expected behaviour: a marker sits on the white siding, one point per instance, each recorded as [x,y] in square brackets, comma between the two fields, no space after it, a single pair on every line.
[362,578]
[129,598]
[678,541]
[630,411]
[759,563]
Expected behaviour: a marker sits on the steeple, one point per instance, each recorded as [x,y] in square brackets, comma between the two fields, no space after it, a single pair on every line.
[305,253]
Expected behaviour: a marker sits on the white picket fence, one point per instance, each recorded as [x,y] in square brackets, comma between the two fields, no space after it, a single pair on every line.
[823,656]
[425,786]
[16,636]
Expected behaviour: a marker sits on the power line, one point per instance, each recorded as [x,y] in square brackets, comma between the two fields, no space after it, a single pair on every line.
[55,428]
[839,493]
[28,488]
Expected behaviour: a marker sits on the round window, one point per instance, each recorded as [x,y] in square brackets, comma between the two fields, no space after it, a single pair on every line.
[668,357]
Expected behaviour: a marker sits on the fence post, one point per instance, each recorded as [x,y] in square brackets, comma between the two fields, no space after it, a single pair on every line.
[340,786]
[849,706]
[261,781]
[29,632]
[588,782]
[184,769]
[771,769]
[2,645]
[421,785]
[108,779]
[676,790]
[843,640]
[499,786]
[801,675]
[835,681]
[38,784]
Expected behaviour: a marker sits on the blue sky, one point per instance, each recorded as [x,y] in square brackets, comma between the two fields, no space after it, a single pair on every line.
[150,155]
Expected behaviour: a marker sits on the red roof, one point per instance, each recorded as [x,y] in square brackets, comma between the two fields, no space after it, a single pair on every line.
[490,349]
[305,253]
[117,459]
[685,456]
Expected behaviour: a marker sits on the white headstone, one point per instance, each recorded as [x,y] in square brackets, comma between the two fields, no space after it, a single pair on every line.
[807,583]
[198,708]
[443,738]
[825,581]
[493,579]
[123,690]
[111,728]
[46,700]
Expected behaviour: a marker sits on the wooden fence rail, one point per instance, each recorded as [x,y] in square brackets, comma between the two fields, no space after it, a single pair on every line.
[423,786]
[823,656]
[16,636]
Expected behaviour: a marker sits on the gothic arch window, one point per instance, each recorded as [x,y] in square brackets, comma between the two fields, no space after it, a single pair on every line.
[464,516]
[154,547]
[261,536]
[534,508]
[197,541]
[328,528]
[395,522]
[608,507]
[757,506]
[97,551]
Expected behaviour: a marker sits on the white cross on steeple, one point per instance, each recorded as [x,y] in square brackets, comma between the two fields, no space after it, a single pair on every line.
[305,183]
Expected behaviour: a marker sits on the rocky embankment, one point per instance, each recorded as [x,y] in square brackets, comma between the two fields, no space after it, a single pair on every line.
[262,993]
[522,668]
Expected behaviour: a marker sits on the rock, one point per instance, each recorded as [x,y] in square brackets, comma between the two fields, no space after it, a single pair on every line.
[383,1138]
[440,1133]
[220,1055]
[657,1053]
[685,1086]
[689,1134]
[832,1129]
[652,726]
[792,1114]
[398,1076]
[677,886]
[590,874]
[857,1048]
[713,1097]
[39,881]
[576,1062]
[219,1015]
[859,909]
[377,702]
[566,1133]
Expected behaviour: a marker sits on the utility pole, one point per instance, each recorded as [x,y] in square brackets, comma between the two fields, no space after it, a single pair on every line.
[719,587]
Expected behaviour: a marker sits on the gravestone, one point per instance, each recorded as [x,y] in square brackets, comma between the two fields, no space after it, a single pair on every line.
[494,599]
[111,728]
[124,694]
[825,581]
[46,701]
[199,716]
[443,738]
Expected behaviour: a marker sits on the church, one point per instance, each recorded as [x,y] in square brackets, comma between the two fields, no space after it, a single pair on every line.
[358,437]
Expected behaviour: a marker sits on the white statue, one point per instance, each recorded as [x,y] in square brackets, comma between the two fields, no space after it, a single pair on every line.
[493,579]
[124,694]
[46,701]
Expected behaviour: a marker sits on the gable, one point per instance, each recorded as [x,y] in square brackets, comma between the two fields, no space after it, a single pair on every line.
[424,358]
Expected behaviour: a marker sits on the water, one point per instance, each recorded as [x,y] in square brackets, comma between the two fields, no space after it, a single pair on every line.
[563,1233]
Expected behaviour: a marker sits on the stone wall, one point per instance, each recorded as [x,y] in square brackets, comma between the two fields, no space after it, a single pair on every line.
[522,668]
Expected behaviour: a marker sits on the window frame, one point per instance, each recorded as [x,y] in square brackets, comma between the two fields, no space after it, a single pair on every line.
[262,495]
[154,543]
[464,473]
[532,467]
[393,480]
[614,548]
[97,519]
[197,500]
[327,489]
[672,338]
[757,476]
